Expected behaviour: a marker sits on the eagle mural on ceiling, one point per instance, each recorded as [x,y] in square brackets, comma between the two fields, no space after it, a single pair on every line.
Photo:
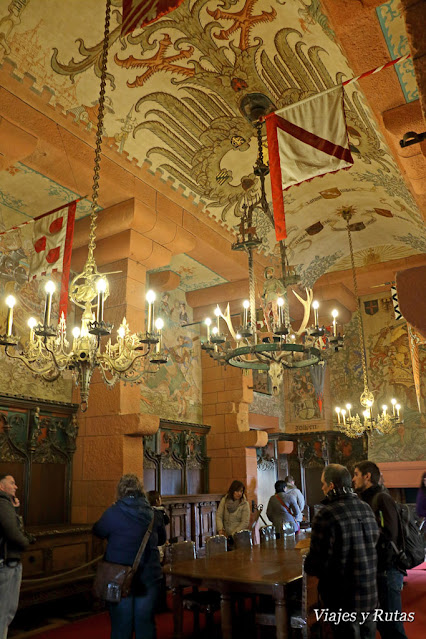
[186,75]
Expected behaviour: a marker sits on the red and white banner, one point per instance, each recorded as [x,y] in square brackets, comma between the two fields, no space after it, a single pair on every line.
[305,140]
[139,13]
[52,238]
[53,235]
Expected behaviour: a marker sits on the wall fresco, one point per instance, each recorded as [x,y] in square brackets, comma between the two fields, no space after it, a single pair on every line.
[15,379]
[174,390]
[390,375]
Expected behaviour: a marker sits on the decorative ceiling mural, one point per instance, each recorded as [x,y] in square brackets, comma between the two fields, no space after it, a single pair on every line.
[193,275]
[393,28]
[174,94]
[18,185]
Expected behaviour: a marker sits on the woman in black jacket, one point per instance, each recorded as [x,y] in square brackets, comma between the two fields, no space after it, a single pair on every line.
[124,524]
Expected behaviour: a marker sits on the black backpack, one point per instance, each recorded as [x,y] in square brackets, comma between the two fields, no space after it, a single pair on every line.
[412,552]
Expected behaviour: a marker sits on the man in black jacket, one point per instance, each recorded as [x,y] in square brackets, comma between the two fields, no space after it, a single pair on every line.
[343,556]
[12,542]
[389,579]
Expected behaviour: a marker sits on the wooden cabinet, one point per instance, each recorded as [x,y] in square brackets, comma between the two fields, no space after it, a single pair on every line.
[192,517]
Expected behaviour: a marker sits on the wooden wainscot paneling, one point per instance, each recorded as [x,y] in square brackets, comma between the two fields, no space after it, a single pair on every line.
[56,551]
[192,517]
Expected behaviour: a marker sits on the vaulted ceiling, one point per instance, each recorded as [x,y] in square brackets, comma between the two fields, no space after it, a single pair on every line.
[173,108]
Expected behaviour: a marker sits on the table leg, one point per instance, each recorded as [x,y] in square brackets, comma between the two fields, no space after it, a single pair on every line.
[177,612]
[226,615]
[281,618]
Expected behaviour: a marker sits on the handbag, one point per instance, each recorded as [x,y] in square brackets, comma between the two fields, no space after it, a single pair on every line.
[295,522]
[113,581]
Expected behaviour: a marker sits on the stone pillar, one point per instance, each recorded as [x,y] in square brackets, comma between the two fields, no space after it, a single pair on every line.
[131,238]
[227,394]
[109,443]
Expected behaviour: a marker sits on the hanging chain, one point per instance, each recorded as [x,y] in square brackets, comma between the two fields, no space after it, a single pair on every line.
[99,132]
[358,306]
[252,293]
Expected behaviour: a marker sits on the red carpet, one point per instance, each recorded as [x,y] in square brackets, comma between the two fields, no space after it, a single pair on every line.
[414,600]
[98,626]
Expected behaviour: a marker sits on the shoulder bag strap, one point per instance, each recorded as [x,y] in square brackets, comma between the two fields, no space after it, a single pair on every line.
[285,506]
[143,544]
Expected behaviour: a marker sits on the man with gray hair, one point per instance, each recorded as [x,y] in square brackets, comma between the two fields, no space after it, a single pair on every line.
[343,556]
[12,542]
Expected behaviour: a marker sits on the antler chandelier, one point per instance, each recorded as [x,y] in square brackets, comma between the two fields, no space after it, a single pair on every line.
[283,347]
[48,353]
[353,425]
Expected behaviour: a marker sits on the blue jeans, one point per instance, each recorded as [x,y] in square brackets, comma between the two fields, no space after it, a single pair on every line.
[135,613]
[10,583]
[390,585]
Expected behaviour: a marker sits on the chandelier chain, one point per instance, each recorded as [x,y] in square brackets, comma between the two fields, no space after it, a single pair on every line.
[358,306]
[99,132]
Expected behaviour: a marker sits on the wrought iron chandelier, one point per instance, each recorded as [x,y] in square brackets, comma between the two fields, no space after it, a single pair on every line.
[384,422]
[282,347]
[48,353]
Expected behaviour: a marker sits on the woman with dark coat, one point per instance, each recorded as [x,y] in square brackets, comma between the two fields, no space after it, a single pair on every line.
[124,525]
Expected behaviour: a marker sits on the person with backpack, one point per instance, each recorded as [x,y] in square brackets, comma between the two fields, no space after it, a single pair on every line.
[389,576]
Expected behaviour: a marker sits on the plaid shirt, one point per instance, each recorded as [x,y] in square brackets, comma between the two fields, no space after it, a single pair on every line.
[343,553]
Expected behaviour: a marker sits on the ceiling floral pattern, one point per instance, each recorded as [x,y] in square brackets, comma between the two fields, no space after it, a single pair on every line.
[174,97]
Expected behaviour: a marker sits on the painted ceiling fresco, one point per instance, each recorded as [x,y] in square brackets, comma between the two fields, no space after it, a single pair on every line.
[174,93]
[193,275]
[393,28]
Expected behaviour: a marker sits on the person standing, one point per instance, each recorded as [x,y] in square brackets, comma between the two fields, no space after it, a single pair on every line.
[293,489]
[12,542]
[421,498]
[124,525]
[233,513]
[283,507]
[389,578]
[343,556]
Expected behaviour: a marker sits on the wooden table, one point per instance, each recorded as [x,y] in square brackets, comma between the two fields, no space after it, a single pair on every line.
[267,569]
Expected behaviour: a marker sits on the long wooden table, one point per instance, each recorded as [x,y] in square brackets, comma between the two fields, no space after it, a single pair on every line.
[266,569]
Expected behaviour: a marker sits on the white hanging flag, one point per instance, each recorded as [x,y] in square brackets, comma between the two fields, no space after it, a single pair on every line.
[306,140]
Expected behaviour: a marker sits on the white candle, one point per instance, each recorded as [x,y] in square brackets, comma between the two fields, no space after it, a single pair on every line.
[398,408]
[349,406]
[208,322]
[159,324]
[334,313]
[393,402]
[150,298]
[101,287]
[32,323]
[10,301]
[246,305]
[344,416]
[315,306]
[50,289]
[76,335]
[338,414]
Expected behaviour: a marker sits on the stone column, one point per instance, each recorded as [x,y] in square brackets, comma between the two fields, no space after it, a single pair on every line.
[227,394]
[110,440]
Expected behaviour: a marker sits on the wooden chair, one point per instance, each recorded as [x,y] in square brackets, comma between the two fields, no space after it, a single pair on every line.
[216,545]
[205,601]
[267,533]
[242,539]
